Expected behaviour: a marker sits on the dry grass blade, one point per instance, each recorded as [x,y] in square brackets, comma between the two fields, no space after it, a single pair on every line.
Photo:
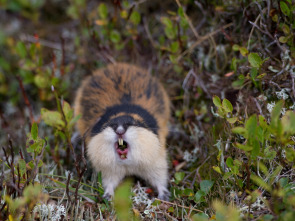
[202,39]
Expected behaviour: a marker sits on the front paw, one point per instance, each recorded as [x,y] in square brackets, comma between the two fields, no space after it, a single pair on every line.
[165,195]
[107,196]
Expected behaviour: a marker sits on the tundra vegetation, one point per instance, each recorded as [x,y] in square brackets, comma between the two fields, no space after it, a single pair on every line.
[229,68]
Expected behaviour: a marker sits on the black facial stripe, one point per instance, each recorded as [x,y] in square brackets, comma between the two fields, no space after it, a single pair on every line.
[149,121]
[125,121]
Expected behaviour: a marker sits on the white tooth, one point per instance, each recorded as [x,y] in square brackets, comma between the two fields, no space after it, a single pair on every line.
[120,141]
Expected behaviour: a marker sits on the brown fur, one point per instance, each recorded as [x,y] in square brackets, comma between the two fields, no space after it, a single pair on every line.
[137,82]
[125,84]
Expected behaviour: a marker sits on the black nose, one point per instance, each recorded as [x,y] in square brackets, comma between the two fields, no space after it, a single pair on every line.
[120,130]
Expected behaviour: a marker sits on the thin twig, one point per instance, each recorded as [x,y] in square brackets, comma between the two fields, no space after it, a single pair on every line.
[293,86]
[67,188]
[4,121]
[27,102]
[279,73]
[197,171]
[271,82]
[30,38]
[258,106]
[188,20]
[62,66]
[174,204]
[82,171]
[14,186]
[146,28]
[18,176]
[12,160]
[260,29]
[251,32]
[6,156]
[202,39]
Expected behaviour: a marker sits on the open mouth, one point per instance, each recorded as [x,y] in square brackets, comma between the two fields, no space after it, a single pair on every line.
[122,148]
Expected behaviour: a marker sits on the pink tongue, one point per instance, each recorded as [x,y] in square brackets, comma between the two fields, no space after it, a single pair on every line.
[125,151]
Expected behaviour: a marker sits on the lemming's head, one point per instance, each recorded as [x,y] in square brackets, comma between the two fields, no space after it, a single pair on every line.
[124,134]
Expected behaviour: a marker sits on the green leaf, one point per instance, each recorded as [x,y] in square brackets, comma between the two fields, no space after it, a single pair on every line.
[167,22]
[31,192]
[286,29]
[260,182]
[255,60]
[263,122]
[217,169]
[200,217]
[240,130]
[174,47]
[283,39]
[243,51]
[22,166]
[229,162]
[188,192]
[226,213]
[115,36]
[68,111]
[74,120]
[221,112]
[243,147]
[135,17]
[269,154]
[240,183]
[275,174]
[122,201]
[41,81]
[199,196]
[21,49]
[285,8]
[283,182]
[170,32]
[251,125]
[216,101]
[31,165]
[34,131]
[235,170]
[288,122]
[227,106]
[52,118]
[173,58]
[180,12]
[236,47]
[73,12]
[206,185]
[237,162]
[253,73]
[256,147]
[290,155]
[103,10]
[179,176]
[227,175]
[263,168]
[40,163]
[275,116]
[238,84]
[36,146]
[232,120]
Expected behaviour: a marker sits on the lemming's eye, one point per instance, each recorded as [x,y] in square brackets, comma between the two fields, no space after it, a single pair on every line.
[114,126]
[128,124]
